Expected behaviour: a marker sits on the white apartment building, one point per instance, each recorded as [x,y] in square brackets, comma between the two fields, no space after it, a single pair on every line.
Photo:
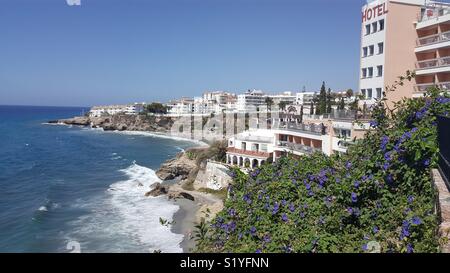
[287,97]
[181,107]
[303,98]
[250,149]
[108,110]
[250,100]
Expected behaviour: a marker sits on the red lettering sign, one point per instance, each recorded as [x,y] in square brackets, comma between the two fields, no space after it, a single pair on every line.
[374,12]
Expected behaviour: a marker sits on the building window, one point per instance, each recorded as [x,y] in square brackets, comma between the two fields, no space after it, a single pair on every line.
[381,23]
[365,51]
[371,50]
[380,48]
[379,70]
[370,72]
[363,92]
[368,29]
[379,93]
[369,93]
[374,27]
[364,73]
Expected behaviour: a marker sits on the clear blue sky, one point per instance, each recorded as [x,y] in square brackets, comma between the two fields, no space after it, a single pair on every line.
[120,51]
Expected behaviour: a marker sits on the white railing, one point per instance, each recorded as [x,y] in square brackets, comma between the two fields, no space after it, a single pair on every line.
[433,39]
[298,147]
[424,86]
[434,11]
[433,63]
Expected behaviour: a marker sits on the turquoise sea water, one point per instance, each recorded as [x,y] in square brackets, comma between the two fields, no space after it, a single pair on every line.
[62,186]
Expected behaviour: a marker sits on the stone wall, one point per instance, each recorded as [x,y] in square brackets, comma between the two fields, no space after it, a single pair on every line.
[214,176]
[443,208]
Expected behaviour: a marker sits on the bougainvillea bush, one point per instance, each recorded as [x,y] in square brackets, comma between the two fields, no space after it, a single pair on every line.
[379,196]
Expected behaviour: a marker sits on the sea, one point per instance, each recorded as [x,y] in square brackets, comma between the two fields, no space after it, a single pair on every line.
[78,189]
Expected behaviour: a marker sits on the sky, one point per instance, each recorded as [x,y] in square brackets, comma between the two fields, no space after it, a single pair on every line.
[125,51]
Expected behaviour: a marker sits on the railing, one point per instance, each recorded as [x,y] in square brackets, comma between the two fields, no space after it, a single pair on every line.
[247,152]
[433,63]
[444,147]
[298,147]
[434,11]
[255,139]
[301,127]
[433,39]
[424,86]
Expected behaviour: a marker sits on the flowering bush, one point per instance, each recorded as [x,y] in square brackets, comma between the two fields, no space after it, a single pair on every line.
[380,190]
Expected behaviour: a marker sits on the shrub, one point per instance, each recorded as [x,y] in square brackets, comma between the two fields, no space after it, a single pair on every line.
[379,193]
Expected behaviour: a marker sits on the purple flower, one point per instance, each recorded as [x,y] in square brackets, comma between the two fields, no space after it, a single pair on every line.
[283,202]
[253,231]
[338,180]
[384,142]
[348,165]
[267,238]
[416,220]
[350,210]
[409,248]
[247,199]
[386,166]
[284,217]
[354,197]
[373,123]
[292,207]
[364,247]
[375,229]
[276,207]
[232,212]
[356,184]
[258,251]
[405,230]
[410,199]
[388,156]
[443,100]
[426,163]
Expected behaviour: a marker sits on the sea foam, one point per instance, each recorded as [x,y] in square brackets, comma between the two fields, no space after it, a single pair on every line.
[127,219]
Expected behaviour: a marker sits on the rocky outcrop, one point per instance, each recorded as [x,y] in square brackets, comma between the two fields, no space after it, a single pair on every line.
[160,189]
[178,167]
[157,190]
[173,194]
[123,122]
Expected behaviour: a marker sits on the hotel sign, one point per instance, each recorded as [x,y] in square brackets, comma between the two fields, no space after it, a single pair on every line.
[371,13]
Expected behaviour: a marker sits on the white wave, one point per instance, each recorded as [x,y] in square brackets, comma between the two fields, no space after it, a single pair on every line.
[161,135]
[42,208]
[126,220]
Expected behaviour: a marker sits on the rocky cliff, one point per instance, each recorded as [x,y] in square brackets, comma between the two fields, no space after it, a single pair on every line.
[179,167]
[122,122]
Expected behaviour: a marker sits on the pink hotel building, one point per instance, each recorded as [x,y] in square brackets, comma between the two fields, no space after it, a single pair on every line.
[401,35]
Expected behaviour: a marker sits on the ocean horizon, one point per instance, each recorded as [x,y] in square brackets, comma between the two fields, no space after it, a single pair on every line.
[68,185]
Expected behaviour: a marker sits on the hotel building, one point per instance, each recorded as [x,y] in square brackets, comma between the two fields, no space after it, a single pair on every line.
[401,35]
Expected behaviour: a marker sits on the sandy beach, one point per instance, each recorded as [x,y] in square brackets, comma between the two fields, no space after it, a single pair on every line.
[191,212]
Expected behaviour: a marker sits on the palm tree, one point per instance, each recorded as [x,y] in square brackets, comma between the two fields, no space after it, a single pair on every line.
[269,103]
[282,105]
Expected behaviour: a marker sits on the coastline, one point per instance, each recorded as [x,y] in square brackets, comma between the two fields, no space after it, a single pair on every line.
[189,212]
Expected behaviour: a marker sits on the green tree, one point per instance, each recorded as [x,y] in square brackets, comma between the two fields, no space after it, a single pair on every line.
[311,108]
[322,101]
[156,108]
[282,105]
[349,93]
[329,100]
[341,104]
[269,102]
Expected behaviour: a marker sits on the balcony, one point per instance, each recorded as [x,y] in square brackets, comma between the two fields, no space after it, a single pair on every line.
[420,88]
[302,128]
[257,139]
[434,12]
[433,66]
[433,39]
[248,152]
[298,147]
